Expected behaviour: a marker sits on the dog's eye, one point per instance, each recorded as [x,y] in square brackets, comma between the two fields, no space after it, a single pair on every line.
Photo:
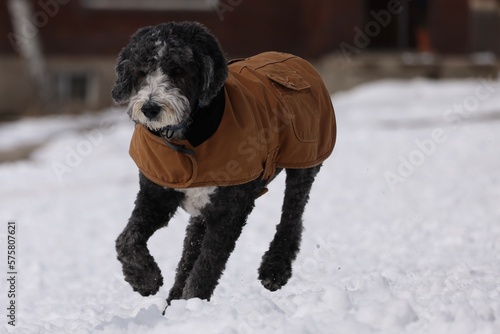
[140,76]
[176,71]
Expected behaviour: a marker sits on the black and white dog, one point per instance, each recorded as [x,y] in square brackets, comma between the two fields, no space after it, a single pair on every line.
[165,74]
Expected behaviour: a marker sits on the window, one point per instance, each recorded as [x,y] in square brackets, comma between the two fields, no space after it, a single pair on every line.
[73,86]
[151,4]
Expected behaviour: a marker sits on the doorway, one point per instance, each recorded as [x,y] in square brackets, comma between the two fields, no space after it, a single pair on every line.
[406,30]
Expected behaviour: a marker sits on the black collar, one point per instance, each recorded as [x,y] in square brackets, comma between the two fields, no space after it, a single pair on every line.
[205,121]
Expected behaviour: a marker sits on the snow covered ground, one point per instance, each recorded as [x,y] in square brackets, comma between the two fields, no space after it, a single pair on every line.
[402,230]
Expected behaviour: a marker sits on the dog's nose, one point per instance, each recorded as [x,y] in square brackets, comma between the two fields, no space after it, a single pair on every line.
[150,109]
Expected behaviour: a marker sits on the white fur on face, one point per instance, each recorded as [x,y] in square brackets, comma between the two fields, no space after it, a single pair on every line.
[196,199]
[158,89]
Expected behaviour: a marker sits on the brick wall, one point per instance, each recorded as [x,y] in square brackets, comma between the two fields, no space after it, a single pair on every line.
[449,26]
[305,27]
[308,28]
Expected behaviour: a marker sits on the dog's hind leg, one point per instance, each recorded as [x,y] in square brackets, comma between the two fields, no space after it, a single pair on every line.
[276,267]
[195,232]
[154,207]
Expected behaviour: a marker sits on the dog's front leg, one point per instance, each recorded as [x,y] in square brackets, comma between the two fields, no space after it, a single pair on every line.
[218,243]
[224,219]
[154,207]
[192,247]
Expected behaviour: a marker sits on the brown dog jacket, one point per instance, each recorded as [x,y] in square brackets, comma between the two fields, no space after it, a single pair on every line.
[277,114]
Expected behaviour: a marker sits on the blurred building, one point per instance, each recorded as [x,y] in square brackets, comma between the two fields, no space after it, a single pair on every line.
[80,39]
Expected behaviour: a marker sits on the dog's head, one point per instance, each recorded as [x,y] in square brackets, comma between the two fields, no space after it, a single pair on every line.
[166,71]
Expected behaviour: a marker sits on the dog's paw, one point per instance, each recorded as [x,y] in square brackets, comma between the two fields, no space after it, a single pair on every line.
[146,281]
[145,277]
[274,272]
[174,294]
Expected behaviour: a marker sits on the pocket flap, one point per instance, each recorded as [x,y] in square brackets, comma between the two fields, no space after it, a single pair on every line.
[291,80]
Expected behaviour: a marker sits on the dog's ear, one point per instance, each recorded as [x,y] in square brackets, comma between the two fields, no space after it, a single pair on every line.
[127,72]
[124,84]
[213,63]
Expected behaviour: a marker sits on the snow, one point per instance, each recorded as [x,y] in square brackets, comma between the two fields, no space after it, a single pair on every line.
[402,231]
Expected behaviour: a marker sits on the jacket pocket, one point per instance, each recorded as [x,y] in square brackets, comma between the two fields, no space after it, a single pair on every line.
[300,103]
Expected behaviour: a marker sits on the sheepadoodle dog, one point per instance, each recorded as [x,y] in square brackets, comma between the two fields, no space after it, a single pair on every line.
[209,137]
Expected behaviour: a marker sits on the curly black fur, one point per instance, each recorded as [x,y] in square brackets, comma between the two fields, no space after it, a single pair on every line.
[154,207]
[190,55]
[276,267]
